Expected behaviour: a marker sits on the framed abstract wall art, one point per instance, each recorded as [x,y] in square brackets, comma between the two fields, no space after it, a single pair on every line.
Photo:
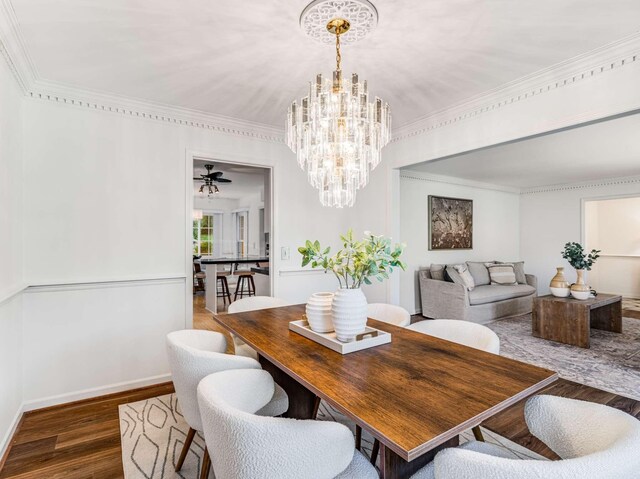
[450,223]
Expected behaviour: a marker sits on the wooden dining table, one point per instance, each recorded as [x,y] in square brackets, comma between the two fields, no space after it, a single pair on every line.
[415,394]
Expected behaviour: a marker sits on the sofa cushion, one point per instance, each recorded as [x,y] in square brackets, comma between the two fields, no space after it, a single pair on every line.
[491,293]
[502,274]
[518,268]
[479,272]
[462,277]
[437,272]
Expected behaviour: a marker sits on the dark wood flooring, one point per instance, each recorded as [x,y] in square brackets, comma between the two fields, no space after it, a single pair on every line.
[82,440]
[73,441]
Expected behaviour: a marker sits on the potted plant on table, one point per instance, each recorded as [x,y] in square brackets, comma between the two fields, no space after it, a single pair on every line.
[574,253]
[357,263]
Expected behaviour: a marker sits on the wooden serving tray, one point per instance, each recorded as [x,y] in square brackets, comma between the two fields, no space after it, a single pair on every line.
[370,338]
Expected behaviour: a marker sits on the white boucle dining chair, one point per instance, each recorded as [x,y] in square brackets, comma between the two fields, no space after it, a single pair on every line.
[466,333]
[255,447]
[194,354]
[389,313]
[593,441]
[252,303]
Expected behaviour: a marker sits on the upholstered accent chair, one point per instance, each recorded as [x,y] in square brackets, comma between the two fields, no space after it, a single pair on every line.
[594,441]
[255,447]
[252,303]
[194,354]
[389,313]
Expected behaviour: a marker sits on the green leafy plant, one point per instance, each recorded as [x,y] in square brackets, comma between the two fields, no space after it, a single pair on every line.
[358,261]
[574,253]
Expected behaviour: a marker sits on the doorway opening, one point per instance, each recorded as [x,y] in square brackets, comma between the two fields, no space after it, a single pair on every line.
[230,233]
[612,225]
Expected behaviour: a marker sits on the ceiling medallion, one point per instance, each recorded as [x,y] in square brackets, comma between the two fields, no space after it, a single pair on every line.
[335,130]
[361,15]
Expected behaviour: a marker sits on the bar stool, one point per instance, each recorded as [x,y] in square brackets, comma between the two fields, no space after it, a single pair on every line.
[245,286]
[199,277]
[223,291]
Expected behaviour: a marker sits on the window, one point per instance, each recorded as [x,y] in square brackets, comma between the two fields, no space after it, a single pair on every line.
[203,236]
[241,222]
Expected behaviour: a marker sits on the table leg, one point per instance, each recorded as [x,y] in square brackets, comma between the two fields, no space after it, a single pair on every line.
[608,317]
[301,400]
[393,466]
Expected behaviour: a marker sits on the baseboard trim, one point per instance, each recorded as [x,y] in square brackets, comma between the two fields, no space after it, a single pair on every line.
[93,392]
[7,440]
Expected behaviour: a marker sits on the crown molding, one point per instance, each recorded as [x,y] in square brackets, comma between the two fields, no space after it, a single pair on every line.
[580,68]
[452,180]
[583,67]
[625,180]
[13,49]
[108,102]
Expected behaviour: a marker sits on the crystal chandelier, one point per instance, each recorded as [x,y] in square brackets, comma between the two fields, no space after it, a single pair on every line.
[336,132]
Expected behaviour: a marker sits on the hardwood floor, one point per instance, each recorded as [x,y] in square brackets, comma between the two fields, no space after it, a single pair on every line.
[73,441]
[82,440]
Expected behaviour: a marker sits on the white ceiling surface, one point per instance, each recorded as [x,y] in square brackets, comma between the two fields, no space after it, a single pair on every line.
[603,150]
[249,59]
[245,180]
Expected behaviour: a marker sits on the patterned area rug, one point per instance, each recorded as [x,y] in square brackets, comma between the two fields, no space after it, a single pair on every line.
[153,433]
[612,363]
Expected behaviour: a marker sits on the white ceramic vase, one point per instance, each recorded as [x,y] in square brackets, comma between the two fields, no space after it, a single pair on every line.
[349,310]
[319,312]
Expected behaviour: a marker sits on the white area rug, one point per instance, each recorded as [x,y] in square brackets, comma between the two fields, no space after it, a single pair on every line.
[611,364]
[153,432]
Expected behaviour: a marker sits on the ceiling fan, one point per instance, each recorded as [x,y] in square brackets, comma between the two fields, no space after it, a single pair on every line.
[212,176]
[209,178]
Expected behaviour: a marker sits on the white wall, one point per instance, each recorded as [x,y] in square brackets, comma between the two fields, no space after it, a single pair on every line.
[11,274]
[495,227]
[613,226]
[107,202]
[551,217]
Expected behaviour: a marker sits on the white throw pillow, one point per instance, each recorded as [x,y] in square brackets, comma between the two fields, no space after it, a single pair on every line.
[463,277]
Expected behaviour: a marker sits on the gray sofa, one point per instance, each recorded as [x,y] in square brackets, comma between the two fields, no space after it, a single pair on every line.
[442,299]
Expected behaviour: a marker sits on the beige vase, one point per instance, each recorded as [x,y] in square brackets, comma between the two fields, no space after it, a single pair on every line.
[579,289]
[559,285]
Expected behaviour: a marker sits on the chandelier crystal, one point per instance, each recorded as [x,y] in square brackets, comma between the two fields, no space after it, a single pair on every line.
[337,132]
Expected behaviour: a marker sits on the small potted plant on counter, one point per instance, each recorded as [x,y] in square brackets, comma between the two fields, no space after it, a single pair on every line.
[356,264]
[574,253]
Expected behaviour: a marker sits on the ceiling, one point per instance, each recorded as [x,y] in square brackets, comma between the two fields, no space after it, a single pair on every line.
[609,149]
[249,59]
[245,180]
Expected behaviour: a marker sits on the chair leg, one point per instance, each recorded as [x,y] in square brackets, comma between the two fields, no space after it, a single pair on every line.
[252,286]
[316,407]
[185,448]
[358,437]
[206,465]
[477,433]
[374,452]
[226,290]
[238,286]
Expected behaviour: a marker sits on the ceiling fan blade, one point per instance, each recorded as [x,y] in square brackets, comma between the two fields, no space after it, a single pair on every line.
[222,180]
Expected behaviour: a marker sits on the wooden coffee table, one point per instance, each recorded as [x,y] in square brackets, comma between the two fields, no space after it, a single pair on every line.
[569,320]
